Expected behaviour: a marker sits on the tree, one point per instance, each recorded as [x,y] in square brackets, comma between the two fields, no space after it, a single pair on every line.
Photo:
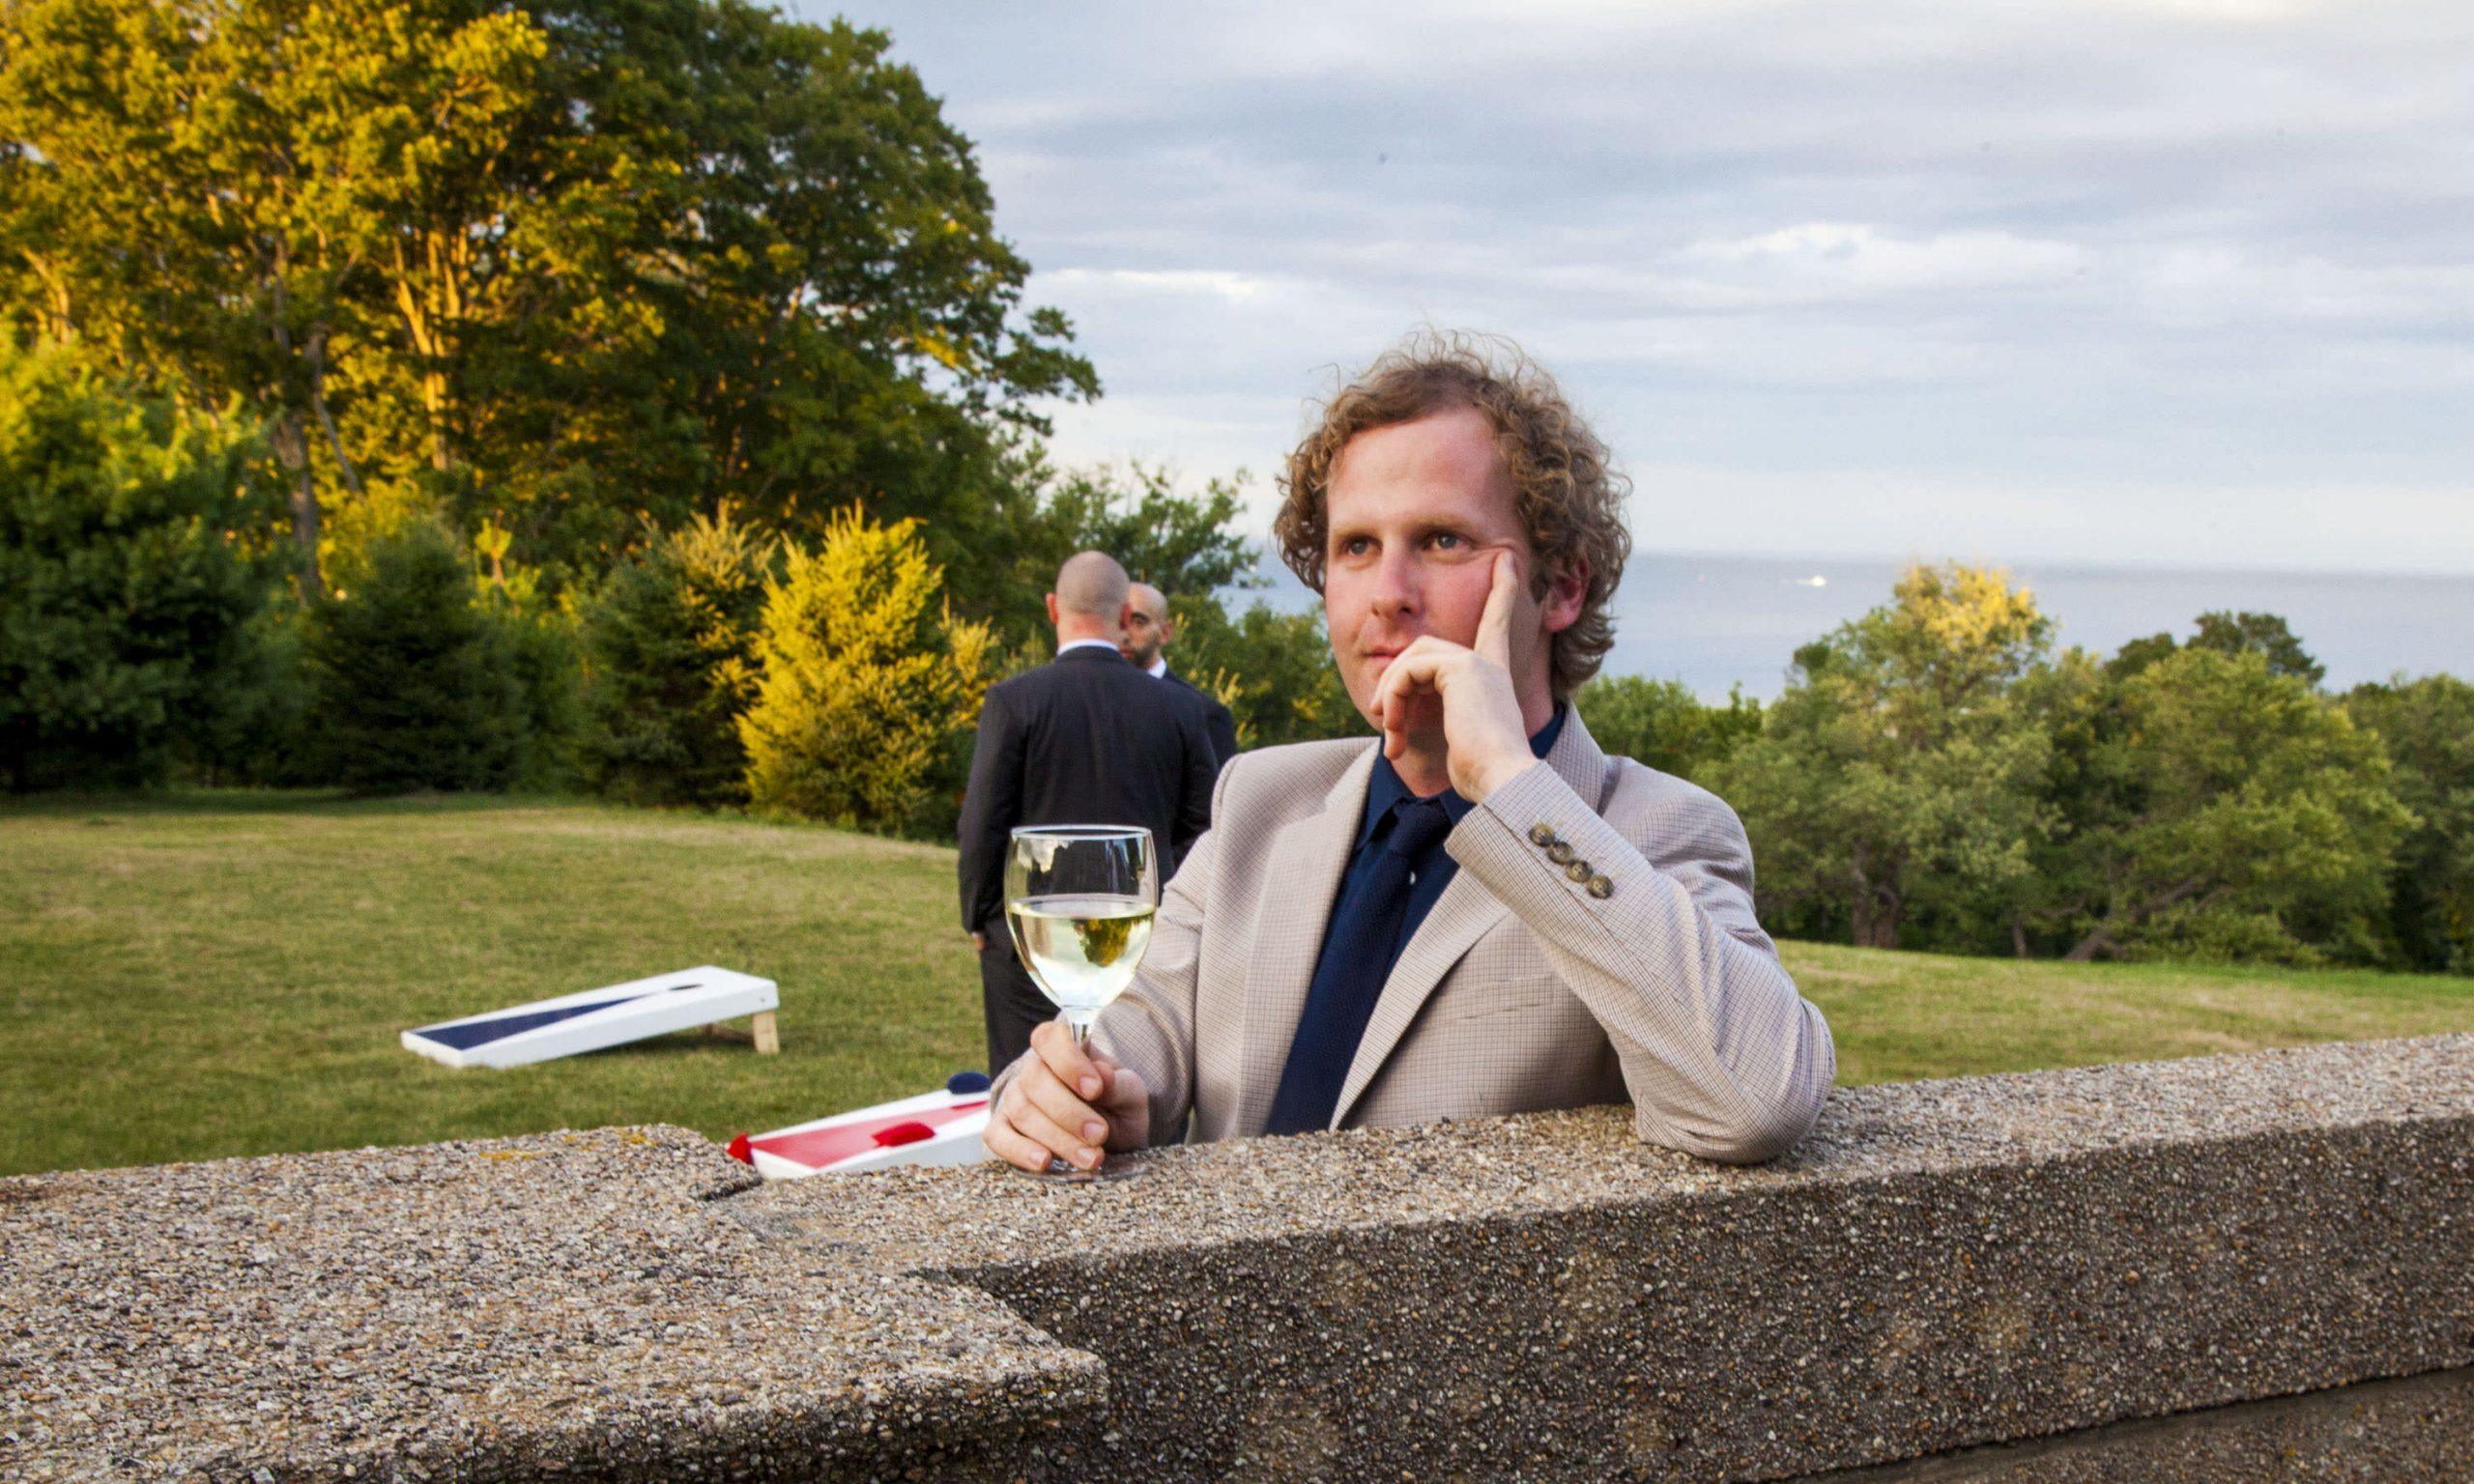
[2262,634]
[223,181]
[127,584]
[2426,728]
[415,684]
[1272,670]
[1662,722]
[2226,633]
[865,682]
[1895,777]
[560,265]
[1177,542]
[670,650]
[2239,814]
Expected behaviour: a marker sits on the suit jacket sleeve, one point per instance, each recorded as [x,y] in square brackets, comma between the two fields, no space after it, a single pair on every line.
[992,806]
[1723,1058]
[1224,732]
[1195,790]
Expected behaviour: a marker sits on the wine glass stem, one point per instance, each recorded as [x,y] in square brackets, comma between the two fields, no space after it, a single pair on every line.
[1081,1025]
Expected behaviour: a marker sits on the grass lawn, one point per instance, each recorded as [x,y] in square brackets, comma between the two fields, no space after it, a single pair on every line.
[212,974]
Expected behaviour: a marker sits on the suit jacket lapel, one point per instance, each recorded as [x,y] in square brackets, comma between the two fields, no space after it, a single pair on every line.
[1307,857]
[1460,916]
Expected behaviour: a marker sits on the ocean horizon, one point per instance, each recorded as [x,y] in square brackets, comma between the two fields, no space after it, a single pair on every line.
[1717,620]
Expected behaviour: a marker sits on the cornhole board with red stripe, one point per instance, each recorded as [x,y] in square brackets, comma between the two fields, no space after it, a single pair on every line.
[939,1127]
[594,1019]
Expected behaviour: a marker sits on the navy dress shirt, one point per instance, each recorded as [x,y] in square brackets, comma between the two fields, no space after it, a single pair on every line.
[1348,978]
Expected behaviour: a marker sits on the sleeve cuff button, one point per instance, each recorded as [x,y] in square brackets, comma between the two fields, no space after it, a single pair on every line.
[1600,888]
[1542,834]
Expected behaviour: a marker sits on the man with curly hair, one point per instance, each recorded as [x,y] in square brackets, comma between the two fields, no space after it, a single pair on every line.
[1482,913]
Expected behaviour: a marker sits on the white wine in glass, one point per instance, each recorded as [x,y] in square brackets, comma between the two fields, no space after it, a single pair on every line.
[1079,899]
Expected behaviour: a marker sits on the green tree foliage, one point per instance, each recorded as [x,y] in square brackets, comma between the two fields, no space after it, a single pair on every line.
[2227,633]
[1894,779]
[538,642]
[2427,727]
[560,265]
[670,655]
[1182,541]
[126,597]
[1662,722]
[865,681]
[1272,670]
[2261,634]
[417,679]
[2242,815]
[1177,542]
[260,730]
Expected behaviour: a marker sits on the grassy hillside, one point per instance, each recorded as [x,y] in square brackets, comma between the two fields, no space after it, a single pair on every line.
[221,974]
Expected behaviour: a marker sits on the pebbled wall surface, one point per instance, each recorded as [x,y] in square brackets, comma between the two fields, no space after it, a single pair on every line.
[2113,1268]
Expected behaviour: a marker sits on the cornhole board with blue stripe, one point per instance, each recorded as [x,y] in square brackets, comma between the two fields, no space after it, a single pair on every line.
[594,1019]
[940,1128]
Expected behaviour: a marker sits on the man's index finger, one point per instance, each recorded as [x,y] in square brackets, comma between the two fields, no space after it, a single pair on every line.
[1494,624]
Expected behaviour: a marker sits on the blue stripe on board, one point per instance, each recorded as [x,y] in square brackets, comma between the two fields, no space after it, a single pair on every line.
[464,1036]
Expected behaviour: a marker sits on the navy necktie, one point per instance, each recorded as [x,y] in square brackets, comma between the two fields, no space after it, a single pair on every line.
[1342,999]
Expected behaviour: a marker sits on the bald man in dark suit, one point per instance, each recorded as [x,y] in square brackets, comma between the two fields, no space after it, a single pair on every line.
[1081,740]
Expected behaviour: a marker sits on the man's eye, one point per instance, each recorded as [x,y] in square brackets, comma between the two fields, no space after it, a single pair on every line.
[1355,546]
[1448,541]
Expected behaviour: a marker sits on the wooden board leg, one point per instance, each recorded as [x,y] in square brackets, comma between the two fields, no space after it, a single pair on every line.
[769,1041]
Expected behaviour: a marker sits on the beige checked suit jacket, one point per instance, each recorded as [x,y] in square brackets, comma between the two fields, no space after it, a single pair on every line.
[1520,991]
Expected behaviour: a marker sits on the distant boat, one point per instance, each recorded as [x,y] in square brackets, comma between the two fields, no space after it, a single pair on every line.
[1814,580]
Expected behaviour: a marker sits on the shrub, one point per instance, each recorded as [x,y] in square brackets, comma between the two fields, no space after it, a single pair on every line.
[125,585]
[864,680]
[417,684]
[257,730]
[668,642]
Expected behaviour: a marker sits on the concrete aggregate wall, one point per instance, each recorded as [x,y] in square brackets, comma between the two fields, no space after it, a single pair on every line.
[2416,1431]
[2215,1268]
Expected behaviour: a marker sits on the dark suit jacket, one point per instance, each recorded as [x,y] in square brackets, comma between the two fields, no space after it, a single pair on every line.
[1217,722]
[1081,740]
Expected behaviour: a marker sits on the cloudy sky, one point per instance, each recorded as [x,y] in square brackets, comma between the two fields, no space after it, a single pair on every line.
[2183,282]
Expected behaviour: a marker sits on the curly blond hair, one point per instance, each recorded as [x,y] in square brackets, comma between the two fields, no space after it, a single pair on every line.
[1569,497]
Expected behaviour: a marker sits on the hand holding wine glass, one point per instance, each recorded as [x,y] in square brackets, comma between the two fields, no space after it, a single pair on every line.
[1079,902]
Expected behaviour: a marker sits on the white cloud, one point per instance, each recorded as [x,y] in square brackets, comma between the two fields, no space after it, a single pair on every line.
[1173,282]
[1828,259]
[2145,278]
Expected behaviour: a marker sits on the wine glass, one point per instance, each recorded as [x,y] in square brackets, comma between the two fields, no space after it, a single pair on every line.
[1078,899]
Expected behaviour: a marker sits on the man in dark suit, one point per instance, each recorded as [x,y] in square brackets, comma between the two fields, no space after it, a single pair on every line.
[1082,740]
[1147,632]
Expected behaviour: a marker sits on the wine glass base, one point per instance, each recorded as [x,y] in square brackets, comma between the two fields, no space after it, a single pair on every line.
[1060,1173]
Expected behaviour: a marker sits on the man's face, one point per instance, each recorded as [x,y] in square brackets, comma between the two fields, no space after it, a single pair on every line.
[1417,512]
[1146,625]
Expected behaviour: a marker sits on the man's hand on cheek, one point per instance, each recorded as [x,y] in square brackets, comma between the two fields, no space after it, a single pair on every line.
[1484,738]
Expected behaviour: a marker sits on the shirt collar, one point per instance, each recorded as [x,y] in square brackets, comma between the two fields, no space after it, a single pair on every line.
[1385,788]
[1085,643]
[1159,670]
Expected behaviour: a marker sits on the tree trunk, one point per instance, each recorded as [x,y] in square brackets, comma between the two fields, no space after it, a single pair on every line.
[292,451]
[326,419]
[1876,914]
[2085,950]
[2018,938]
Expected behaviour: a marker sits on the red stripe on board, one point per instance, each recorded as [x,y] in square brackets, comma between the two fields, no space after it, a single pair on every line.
[818,1148]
